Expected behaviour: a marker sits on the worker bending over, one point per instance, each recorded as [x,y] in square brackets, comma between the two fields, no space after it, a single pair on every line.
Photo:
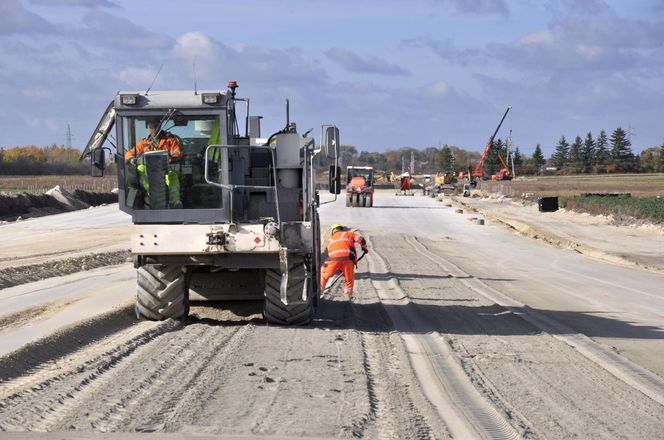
[341,256]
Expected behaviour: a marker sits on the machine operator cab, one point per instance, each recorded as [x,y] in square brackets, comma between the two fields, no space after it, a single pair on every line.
[199,154]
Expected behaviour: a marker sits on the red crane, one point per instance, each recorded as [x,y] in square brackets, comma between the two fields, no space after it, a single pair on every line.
[504,173]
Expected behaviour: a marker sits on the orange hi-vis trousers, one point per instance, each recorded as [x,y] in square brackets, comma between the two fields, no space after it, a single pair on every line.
[347,267]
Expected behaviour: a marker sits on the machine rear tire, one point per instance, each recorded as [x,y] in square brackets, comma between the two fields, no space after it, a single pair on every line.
[348,200]
[161,292]
[297,311]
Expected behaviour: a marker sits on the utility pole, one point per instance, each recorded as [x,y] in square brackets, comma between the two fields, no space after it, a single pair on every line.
[510,155]
[412,163]
[68,136]
[403,166]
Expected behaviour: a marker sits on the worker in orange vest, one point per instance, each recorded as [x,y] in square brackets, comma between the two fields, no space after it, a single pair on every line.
[341,256]
[158,140]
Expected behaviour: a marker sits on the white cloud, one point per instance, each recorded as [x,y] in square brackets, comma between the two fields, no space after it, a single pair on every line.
[139,77]
[194,45]
[439,88]
[541,37]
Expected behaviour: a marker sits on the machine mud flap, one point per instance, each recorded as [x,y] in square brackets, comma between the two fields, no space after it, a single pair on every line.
[283,264]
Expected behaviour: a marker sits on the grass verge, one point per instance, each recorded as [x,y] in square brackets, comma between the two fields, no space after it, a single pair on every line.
[642,208]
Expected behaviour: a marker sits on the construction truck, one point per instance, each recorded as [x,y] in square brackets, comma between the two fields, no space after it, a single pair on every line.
[444,183]
[247,224]
[359,186]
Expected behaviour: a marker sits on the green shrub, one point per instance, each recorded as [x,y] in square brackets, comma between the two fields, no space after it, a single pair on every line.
[644,208]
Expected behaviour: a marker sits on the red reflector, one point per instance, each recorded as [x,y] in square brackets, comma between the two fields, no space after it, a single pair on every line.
[257,240]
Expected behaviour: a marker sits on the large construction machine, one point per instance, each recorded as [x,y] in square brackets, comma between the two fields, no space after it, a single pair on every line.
[246,224]
[504,173]
[443,183]
[359,186]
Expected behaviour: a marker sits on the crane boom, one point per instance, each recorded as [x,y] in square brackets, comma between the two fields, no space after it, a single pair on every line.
[477,172]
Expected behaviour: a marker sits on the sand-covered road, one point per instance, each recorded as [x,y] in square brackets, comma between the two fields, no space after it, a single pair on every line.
[458,330]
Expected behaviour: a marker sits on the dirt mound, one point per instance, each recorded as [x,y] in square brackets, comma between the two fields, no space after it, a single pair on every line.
[66,198]
[96,199]
[23,205]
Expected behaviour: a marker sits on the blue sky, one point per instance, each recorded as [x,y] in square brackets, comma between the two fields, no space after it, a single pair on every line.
[389,73]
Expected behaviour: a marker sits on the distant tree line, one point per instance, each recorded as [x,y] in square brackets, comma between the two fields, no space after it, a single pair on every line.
[605,155]
[584,155]
[446,158]
[33,160]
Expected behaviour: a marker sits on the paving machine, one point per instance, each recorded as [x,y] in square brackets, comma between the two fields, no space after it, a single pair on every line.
[246,226]
[359,186]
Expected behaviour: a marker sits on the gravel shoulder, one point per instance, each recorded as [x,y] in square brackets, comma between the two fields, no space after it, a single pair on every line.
[635,245]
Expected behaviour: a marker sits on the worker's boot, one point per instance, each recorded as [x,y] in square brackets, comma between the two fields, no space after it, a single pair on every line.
[348,296]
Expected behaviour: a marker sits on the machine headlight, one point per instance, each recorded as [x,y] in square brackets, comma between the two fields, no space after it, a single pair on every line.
[129,99]
[210,98]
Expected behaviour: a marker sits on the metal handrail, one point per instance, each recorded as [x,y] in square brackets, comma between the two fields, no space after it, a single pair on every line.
[231,187]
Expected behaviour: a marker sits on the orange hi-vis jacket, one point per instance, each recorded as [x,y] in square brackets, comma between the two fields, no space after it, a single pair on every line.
[167,142]
[341,246]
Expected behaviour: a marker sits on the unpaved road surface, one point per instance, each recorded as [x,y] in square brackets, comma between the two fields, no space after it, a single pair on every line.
[457,330]
[636,244]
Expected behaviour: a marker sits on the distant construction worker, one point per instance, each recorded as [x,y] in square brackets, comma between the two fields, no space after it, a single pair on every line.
[158,140]
[405,183]
[341,256]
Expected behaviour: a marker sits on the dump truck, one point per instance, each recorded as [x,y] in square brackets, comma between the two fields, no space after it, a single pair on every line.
[359,186]
[246,226]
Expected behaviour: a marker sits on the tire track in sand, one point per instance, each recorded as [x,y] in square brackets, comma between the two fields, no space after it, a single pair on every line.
[464,410]
[623,369]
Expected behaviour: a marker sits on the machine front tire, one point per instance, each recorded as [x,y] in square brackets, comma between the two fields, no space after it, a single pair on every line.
[162,292]
[297,311]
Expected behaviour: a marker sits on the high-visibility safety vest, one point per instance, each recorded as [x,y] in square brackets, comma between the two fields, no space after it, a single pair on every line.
[341,246]
[215,138]
[167,142]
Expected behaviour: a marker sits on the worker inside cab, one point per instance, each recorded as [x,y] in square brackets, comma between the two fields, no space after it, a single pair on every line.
[342,257]
[142,166]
